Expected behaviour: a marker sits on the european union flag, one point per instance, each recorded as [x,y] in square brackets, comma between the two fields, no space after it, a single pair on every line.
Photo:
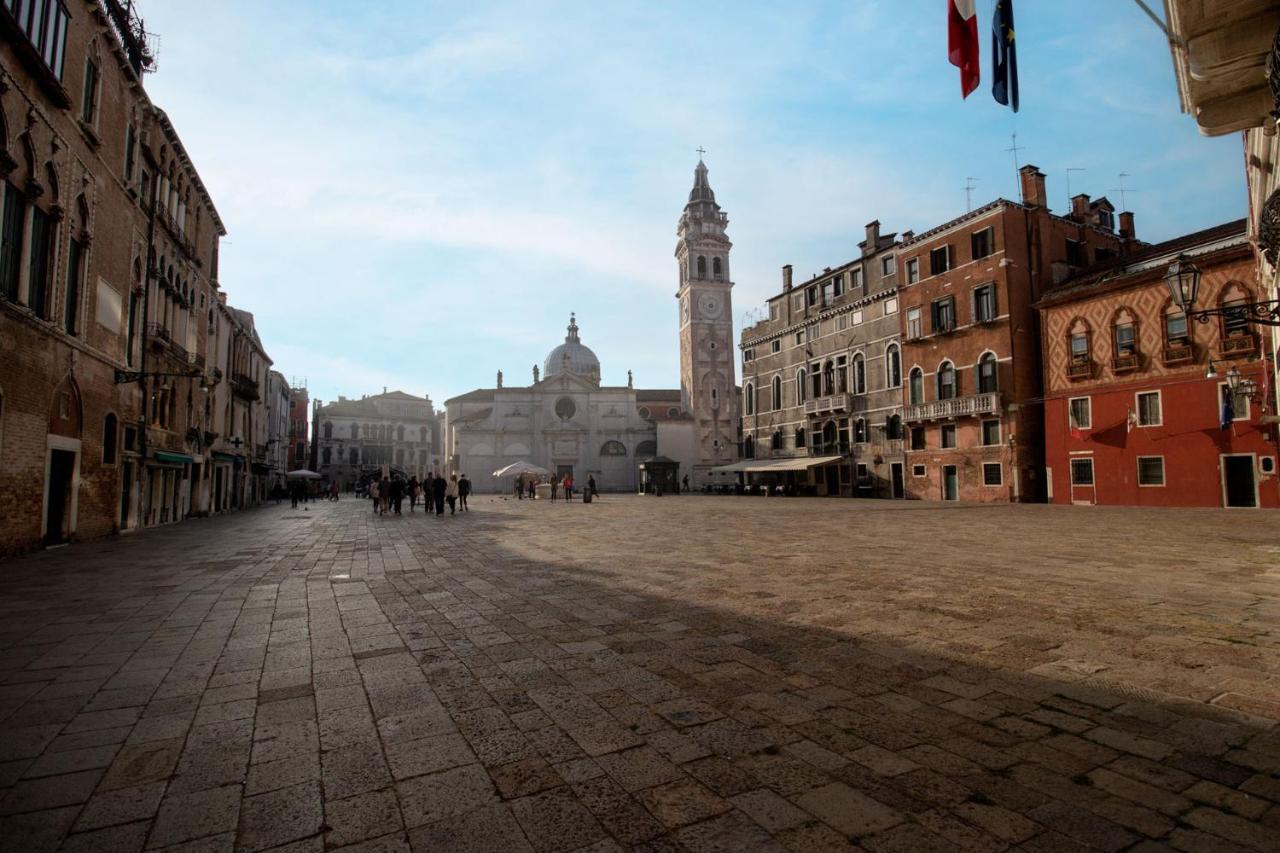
[1004,50]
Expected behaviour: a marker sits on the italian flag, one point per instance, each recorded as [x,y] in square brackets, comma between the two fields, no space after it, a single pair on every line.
[962,42]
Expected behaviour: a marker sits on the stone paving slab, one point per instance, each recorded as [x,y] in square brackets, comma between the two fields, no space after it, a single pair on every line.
[674,674]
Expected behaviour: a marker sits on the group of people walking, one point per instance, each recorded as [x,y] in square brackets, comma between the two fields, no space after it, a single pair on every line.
[433,490]
[527,486]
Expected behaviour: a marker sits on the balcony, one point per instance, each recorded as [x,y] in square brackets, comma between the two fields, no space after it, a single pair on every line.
[835,403]
[244,386]
[1179,353]
[157,331]
[1080,369]
[196,358]
[1238,345]
[1125,362]
[956,407]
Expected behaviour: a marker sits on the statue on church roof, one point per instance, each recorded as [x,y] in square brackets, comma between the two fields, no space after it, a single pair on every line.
[630,384]
[499,378]
[535,374]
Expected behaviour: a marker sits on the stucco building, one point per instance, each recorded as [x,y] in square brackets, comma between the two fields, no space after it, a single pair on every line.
[356,438]
[822,380]
[970,340]
[1137,403]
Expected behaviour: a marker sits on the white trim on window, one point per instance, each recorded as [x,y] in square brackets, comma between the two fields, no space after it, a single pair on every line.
[999,468]
[1072,468]
[1070,413]
[1137,407]
[919,470]
[1248,404]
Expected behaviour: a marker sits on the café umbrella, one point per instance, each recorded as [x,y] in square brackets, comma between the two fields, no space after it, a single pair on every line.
[516,468]
[302,474]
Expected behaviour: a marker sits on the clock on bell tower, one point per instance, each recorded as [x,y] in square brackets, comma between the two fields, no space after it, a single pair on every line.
[707,387]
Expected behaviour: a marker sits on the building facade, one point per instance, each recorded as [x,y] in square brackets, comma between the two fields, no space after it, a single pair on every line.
[708,393]
[1138,407]
[299,439]
[970,339]
[355,439]
[279,408]
[822,380]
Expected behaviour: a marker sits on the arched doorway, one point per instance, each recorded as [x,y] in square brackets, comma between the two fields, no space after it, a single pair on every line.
[62,464]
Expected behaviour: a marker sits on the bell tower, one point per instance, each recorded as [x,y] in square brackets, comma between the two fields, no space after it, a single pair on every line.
[707,387]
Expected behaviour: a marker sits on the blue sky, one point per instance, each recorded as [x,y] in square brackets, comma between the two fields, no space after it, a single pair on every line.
[418,193]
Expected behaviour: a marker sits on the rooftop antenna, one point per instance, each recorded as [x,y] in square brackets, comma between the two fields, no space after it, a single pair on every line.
[969,186]
[1017,167]
[1069,171]
[1121,189]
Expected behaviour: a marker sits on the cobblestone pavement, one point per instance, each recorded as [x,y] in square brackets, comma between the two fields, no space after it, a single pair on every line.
[677,673]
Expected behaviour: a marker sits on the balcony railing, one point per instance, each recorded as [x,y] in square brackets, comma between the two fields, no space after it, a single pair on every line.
[956,407]
[1178,353]
[1238,345]
[835,403]
[1082,369]
[244,386]
[1125,362]
[157,331]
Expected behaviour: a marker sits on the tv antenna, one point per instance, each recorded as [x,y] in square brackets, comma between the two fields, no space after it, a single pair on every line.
[1014,149]
[969,186]
[1123,192]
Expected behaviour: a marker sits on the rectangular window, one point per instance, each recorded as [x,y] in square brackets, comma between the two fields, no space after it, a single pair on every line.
[800,337]
[1150,470]
[133,325]
[943,313]
[1077,256]
[837,285]
[1079,348]
[939,260]
[913,323]
[1080,413]
[813,332]
[1239,404]
[89,100]
[842,322]
[856,278]
[811,296]
[913,270]
[1235,318]
[1149,413]
[11,231]
[775,345]
[74,261]
[857,318]
[888,266]
[1082,472]
[891,306]
[38,281]
[1175,328]
[992,474]
[1125,339]
[984,303]
[990,433]
[917,438]
[917,471]
[948,436]
[44,22]
[773,310]
[980,242]
[748,355]
[130,143]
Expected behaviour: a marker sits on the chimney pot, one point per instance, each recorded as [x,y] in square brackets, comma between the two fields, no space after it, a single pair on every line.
[1033,194]
[873,235]
[1080,207]
[786,277]
[1127,231]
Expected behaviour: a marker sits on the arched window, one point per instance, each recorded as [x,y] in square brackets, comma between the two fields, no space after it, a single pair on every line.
[702,267]
[916,389]
[110,435]
[715,267]
[801,391]
[326,455]
[775,441]
[988,373]
[777,393]
[800,442]
[750,401]
[613,448]
[355,431]
[859,374]
[400,433]
[1235,317]
[354,456]
[646,449]
[947,389]
[828,378]
[1176,333]
[328,429]
[1124,334]
[893,428]
[892,366]
[860,431]
[829,434]
[748,448]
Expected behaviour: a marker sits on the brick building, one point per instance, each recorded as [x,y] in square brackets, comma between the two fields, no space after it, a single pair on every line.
[299,440]
[822,378]
[1131,416]
[970,340]
[355,438]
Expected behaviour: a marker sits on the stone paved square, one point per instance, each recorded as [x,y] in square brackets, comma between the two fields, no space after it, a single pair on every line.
[676,673]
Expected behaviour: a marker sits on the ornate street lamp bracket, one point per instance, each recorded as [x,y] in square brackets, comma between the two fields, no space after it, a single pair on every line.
[1262,313]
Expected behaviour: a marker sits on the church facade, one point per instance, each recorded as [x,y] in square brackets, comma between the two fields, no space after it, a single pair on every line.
[568,422]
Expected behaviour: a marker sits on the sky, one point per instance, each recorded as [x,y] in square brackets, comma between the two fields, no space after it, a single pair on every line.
[417,194]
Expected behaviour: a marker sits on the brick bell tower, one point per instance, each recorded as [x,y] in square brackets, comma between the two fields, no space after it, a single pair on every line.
[707,385]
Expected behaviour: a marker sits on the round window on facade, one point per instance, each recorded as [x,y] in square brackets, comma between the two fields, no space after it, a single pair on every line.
[644,412]
[565,408]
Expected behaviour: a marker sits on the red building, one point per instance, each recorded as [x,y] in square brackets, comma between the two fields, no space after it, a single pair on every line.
[299,445]
[1138,405]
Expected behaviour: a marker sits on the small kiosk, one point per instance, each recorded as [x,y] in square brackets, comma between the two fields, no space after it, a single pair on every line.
[658,475]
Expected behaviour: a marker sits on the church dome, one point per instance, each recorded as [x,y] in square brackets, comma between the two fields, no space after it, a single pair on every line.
[572,357]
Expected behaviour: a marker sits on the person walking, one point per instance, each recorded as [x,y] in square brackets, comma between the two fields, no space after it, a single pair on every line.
[568,488]
[413,493]
[397,494]
[451,494]
[373,493]
[555,481]
[686,483]
[438,488]
[384,496]
[520,487]
[464,489]
[333,490]
[532,488]
[591,486]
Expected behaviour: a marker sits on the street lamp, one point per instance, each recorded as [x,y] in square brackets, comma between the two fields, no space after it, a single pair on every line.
[1183,279]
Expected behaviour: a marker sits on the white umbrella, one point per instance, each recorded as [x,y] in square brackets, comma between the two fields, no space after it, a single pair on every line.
[303,474]
[520,468]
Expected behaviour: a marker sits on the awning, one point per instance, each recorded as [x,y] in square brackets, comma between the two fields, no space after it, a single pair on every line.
[777,466]
[224,457]
[263,468]
[167,458]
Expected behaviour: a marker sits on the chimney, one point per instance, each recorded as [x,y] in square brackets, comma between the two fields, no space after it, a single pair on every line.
[1080,207]
[786,277]
[907,235]
[1127,231]
[1033,194]
[873,236]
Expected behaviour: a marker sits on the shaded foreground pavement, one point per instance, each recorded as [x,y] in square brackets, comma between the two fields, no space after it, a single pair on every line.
[677,673]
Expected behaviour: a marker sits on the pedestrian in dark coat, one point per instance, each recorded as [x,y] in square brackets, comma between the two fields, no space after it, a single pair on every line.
[438,487]
[397,494]
[413,493]
[464,489]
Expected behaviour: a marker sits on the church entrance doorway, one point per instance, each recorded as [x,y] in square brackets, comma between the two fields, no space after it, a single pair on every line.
[563,471]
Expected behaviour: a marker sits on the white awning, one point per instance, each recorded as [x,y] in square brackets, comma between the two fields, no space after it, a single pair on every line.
[768,466]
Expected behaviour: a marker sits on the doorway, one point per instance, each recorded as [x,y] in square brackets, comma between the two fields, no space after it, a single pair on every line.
[897,484]
[62,468]
[126,493]
[950,483]
[563,471]
[1239,485]
[833,480]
